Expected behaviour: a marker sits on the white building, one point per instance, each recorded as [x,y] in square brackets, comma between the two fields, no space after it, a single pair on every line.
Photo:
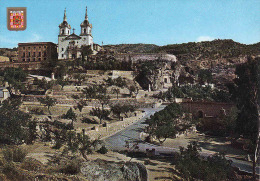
[70,45]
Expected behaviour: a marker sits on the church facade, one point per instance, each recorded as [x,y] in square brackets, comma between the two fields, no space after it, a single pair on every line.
[69,44]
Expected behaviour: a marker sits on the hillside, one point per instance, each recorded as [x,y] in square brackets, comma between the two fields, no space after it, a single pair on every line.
[131,48]
[219,56]
[207,49]
[210,49]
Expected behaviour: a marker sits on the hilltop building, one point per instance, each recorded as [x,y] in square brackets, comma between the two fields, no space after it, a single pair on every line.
[36,52]
[70,45]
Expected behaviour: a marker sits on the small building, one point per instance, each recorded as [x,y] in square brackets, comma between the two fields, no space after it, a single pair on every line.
[36,51]
[4,94]
[206,109]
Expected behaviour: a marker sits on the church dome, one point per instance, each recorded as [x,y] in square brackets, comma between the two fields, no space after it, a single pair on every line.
[65,24]
[85,23]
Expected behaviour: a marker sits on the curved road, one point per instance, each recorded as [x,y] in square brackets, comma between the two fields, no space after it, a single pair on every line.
[117,142]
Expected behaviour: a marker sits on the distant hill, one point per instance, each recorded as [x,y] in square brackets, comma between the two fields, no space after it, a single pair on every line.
[131,48]
[210,49]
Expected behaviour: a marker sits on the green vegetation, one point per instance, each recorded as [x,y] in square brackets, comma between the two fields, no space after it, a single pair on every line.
[15,78]
[131,48]
[106,62]
[48,102]
[210,49]
[14,154]
[119,82]
[166,123]
[80,142]
[70,115]
[43,84]
[196,92]
[100,113]
[14,124]
[245,92]
[193,167]
[119,109]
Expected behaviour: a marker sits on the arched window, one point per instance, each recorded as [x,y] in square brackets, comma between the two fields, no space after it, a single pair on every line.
[84,30]
[62,32]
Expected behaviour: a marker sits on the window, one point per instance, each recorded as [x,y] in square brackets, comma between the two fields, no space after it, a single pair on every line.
[62,49]
[44,46]
[34,59]
[62,32]
[39,54]
[62,55]
[39,59]
[29,48]
[44,53]
[23,60]
[68,31]
[34,54]
[44,59]
[29,54]
[165,80]
[28,60]
[23,54]
[84,30]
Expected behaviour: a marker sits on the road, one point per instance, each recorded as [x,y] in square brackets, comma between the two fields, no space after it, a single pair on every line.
[117,142]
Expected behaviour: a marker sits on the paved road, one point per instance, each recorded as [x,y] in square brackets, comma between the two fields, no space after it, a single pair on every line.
[117,142]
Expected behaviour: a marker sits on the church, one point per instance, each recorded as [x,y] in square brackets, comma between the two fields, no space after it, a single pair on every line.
[70,45]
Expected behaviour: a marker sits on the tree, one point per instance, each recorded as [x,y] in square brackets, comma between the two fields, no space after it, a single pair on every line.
[118,109]
[162,125]
[70,115]
[43,83]
[205,76]
[48,102]
[193,167]
[80,105]
[80,142]
[62,82]
[79,78]
[86,51]
[116,91]
[50,64]
[15,78]
[13,122]
[32,132]
[246,95]
[100,113]
[98,92]
[131,90]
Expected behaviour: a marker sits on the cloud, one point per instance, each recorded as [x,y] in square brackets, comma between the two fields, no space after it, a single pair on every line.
[204,38]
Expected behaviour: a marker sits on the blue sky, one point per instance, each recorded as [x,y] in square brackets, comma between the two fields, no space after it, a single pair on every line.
[158,22]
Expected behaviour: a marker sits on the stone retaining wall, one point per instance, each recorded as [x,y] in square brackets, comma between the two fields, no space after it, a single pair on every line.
[110,129]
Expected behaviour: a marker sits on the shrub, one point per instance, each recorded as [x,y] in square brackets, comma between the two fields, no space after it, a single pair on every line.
[103,150]
[89,121]
[31,164]
[14,154]
[72,167]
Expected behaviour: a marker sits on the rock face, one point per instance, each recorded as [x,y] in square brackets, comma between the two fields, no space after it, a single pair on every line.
[101,170]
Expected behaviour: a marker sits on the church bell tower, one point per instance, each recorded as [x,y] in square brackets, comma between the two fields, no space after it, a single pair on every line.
[86,30]
[64,26]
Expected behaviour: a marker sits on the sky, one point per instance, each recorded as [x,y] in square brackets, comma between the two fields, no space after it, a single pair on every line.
[159,22]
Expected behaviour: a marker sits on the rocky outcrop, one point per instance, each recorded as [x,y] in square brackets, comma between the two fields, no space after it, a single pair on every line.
[101,170]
